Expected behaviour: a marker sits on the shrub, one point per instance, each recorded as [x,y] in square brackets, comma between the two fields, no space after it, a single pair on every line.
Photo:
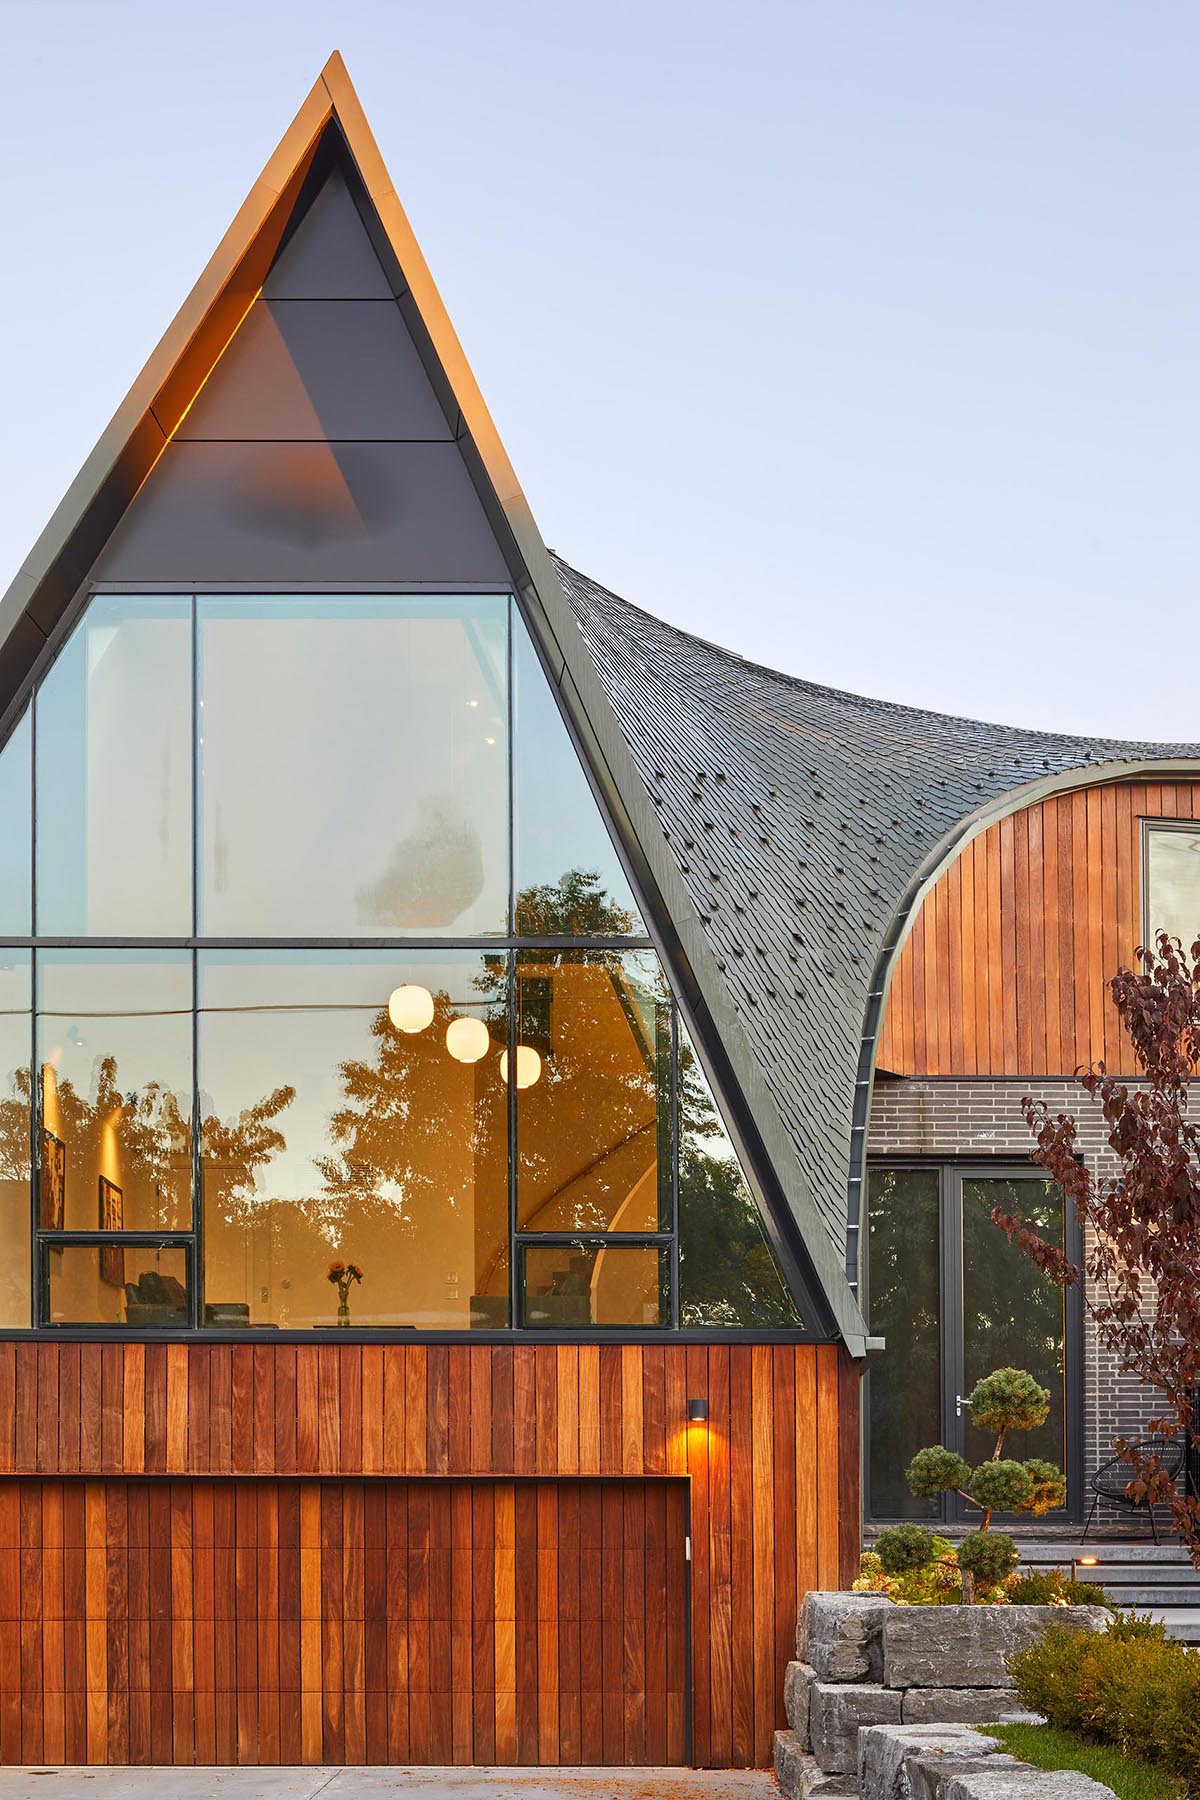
[936,1471]
[1049,1486]
[903,1548]
[989,1556]
[1132,1686]
[1006,1400]
[1009,1400]
[1003,1486]
[1050,1587]
[937,1582]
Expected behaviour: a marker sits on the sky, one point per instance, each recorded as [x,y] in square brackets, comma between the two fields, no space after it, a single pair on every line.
[860,336]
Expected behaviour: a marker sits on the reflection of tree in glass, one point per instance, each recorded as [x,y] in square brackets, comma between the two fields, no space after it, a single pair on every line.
[432,877]
[398,1142]
[233,1153]
[1012,1317]
[905,1382]
[152,1132]
[728,1274]
[573,906]
[592,1132]
[14,1129]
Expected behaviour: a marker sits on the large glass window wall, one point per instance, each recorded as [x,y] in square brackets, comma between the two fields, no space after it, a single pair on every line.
[325,1000]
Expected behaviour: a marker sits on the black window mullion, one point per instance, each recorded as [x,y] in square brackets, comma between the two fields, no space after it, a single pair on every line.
[951,1287]
[38,1308]
[196,1284]
[197,1297]
[516,1269]
[673,1109]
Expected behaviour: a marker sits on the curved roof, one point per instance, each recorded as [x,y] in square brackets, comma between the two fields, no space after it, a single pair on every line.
[805,823]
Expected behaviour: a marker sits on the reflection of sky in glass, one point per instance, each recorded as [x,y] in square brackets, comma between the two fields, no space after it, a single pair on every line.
[558,824]
[1173,880]
[354,766]
[114,774]
[16,845]
[133,1005]
[291,1018]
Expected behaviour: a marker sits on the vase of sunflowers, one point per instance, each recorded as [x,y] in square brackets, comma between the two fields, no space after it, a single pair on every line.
[343,1276]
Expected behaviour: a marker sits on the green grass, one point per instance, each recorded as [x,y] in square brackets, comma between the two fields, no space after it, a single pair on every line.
[1048,1748]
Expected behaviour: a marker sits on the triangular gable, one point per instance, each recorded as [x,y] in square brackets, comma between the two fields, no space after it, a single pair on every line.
[277,248]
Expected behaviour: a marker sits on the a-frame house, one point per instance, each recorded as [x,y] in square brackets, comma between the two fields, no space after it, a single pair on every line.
[329,803]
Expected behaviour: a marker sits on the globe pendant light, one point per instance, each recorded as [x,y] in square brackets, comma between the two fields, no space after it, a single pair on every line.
[529,1065]
[467,1040]
[410,1008]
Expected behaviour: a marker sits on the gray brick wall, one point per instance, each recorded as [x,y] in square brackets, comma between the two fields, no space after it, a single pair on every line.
[980,1119]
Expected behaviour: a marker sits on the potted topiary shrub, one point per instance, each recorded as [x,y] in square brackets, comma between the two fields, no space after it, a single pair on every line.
[1007,1400]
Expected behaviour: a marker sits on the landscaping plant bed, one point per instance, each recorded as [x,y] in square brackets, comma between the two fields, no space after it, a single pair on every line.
[1047,1747]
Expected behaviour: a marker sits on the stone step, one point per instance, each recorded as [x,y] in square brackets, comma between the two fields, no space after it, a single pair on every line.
[800,1777]
[1126,1574]
[1150,1593]
[1057,1553]
[1182,1622]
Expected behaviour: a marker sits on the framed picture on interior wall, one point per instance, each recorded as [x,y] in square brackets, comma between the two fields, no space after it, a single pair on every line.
[112,1218]
[52,1182]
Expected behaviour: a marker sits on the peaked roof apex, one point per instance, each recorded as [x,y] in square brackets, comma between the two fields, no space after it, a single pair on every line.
[140,429]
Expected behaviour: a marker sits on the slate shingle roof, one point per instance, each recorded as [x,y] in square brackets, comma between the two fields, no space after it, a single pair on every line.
[800,818]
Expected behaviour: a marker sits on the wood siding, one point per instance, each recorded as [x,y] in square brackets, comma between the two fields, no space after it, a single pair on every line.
[1006,968]
[772,1485]
[344,1622]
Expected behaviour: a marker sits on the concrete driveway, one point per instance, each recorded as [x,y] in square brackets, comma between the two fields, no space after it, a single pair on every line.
[46,1783]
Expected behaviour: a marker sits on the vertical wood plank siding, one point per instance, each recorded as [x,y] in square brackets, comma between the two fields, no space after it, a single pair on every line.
[1006,969]
[195,1565]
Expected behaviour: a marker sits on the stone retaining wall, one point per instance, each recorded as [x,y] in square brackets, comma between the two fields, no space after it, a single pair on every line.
[864,1665]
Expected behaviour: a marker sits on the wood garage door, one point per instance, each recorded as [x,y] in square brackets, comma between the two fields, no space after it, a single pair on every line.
[352,1621]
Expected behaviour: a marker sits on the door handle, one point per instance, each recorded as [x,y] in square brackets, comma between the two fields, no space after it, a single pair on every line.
[959,1403]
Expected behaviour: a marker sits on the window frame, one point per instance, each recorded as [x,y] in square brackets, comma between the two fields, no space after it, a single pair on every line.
[656,934]
[952,1172]
[1150,824]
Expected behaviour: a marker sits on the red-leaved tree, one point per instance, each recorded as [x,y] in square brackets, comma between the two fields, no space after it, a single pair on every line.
[1140,1278]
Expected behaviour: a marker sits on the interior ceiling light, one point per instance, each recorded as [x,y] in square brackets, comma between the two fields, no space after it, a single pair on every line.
[529,1065]
[410,1008]
[467,1040]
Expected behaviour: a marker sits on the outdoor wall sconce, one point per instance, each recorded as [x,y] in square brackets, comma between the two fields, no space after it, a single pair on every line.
[697,1412]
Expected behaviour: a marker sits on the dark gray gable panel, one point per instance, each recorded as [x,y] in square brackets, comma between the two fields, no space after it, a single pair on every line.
[296,513]
[328,255]
[317,451]
[317,369]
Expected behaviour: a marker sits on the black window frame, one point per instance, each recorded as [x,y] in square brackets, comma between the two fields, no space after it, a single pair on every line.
[508,945]
[952,1172]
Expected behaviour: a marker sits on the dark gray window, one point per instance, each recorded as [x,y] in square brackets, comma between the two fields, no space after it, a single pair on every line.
[955,1300]
[905,1381]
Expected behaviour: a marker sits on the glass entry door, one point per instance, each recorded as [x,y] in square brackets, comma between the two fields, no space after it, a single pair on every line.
[955,1300]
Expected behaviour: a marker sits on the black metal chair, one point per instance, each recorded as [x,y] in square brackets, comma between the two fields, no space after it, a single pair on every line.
[1112,1478]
